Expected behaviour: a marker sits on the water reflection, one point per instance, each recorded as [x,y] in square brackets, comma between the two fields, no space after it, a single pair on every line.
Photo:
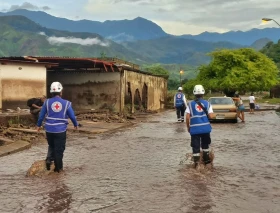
[197,187]
[57,200]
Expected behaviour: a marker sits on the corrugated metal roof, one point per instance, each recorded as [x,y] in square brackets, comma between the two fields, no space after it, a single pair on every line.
[73,61]
[2,60]
[69,62]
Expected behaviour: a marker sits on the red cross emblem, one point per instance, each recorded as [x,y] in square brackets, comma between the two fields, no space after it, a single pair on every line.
[198,108]
[56,106]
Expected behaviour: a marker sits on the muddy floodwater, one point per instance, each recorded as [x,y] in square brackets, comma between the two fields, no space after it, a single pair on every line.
[143,169]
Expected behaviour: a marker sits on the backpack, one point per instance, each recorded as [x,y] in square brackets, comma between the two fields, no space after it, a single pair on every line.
[30,102]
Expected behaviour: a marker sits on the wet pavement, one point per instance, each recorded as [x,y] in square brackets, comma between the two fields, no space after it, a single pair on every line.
[138,170]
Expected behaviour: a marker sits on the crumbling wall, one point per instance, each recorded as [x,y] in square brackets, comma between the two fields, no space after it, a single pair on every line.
[89,90]
[20,82]
[145,91]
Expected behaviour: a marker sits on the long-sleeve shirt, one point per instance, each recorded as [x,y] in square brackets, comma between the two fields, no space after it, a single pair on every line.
[56,112]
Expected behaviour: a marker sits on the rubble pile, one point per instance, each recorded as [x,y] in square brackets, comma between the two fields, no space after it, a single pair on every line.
[20,132]
[104,117]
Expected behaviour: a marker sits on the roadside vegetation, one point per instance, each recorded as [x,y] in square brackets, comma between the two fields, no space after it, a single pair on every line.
[241,70]
[172,71]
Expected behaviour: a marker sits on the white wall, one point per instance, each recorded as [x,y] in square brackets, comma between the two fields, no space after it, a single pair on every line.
[19,82]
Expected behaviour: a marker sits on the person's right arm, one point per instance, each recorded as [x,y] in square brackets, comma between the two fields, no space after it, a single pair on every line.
[188,117]
[185,100]
[71,115]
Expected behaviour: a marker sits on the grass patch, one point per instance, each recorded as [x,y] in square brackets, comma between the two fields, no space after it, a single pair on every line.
[266,100]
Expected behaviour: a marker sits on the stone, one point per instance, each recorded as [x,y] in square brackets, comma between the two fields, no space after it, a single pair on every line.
[91,137]
[130,117]
[39,169]
[10,133]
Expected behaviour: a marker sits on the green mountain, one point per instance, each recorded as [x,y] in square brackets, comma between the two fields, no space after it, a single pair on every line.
[20,36]
[272,50]
[260,43]
[178,50]
[120,30]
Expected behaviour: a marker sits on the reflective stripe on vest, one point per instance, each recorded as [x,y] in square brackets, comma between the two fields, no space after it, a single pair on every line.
[56,119]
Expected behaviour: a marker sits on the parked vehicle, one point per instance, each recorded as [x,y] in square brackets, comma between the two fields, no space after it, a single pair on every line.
[224,109]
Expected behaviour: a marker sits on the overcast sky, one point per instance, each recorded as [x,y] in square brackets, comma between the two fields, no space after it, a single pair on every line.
[174,16]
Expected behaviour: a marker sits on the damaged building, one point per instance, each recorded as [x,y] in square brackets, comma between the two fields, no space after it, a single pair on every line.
[21,79]
[91,83]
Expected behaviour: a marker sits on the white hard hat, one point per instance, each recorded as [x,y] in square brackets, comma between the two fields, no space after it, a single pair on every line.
[56,87]
[180,88]
[198,90]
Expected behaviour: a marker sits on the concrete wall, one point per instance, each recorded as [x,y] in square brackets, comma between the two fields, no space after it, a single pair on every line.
[89,90]
[155,88]
[19,82]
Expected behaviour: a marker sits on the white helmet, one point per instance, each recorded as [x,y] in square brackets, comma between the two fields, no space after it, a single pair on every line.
[56,87]
[180,88]
[198,90]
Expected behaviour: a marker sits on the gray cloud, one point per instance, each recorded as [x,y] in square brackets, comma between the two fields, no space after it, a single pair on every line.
[28,6]
[242,14]
[215,14]
[45,8]
[190,16]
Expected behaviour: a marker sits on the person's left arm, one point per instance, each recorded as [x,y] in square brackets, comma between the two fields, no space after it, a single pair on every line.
[42,115]
[210,112]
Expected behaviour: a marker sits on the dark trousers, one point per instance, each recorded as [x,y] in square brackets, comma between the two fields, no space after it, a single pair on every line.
[50,154]
[57,143]
[200,141]
[180,111]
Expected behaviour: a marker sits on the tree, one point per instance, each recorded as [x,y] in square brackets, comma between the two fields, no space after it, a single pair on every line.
[272,51]
[103,54]
[173,83]
[157,70]
[236,70]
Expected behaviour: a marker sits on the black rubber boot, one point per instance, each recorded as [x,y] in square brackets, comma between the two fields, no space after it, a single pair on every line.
[48,163]
[206,158]
[59,166]
[196,160]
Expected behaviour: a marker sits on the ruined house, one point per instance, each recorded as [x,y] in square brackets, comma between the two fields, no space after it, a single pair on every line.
[20,80]
[275,91]
[91,83]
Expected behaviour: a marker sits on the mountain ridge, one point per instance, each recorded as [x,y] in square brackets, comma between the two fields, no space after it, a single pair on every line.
[21,36]
[135,29]
[140,28]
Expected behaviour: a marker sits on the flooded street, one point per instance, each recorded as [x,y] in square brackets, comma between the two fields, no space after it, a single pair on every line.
[138,170]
